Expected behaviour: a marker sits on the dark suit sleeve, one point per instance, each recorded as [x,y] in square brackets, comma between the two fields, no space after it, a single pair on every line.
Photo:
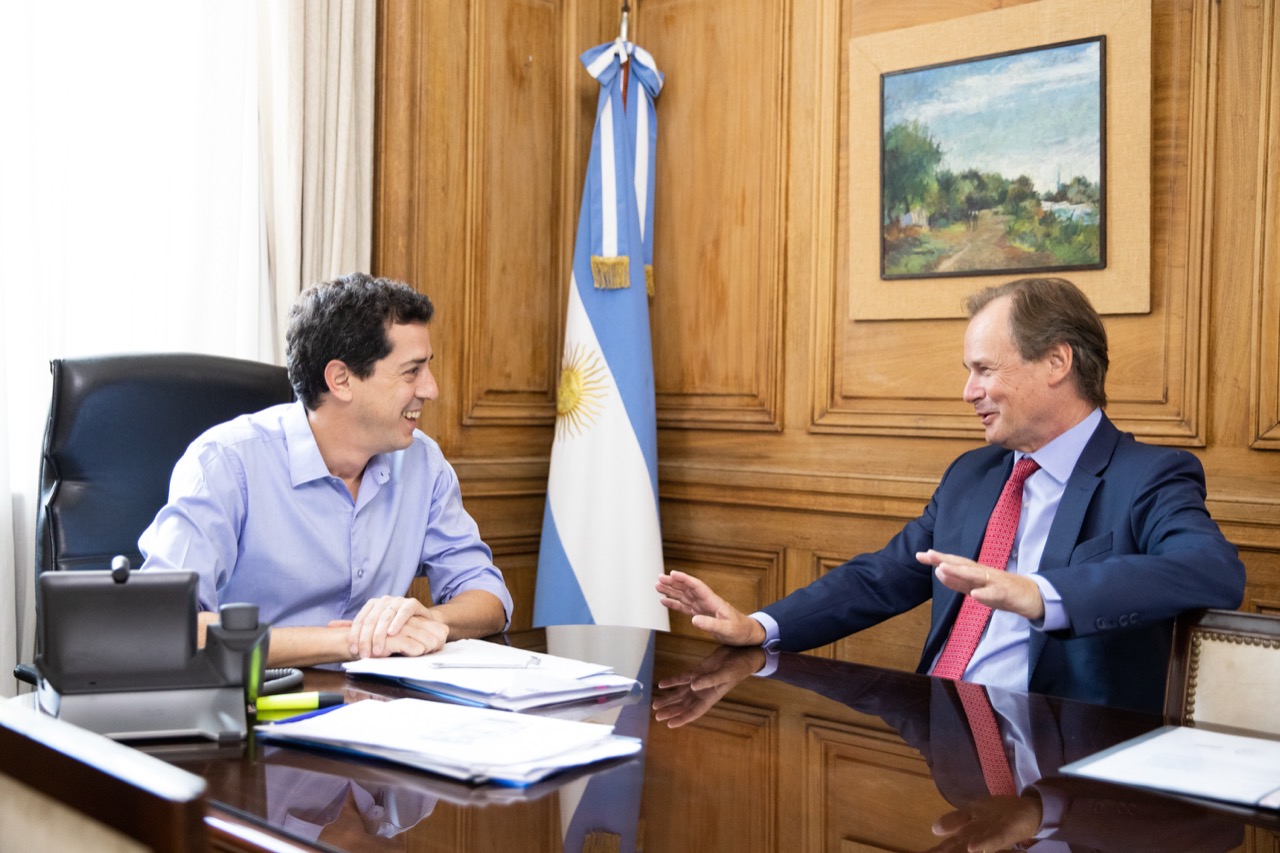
[860,593]
[1148,549]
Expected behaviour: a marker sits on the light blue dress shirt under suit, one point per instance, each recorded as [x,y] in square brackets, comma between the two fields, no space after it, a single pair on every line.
[254,510]
[1001,657]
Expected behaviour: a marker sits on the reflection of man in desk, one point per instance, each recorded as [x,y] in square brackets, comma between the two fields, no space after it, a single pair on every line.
[307,803]
[1056,558]
[1034,736]
[321,512]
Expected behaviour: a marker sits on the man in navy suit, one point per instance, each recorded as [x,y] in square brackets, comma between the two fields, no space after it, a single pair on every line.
[1113,541]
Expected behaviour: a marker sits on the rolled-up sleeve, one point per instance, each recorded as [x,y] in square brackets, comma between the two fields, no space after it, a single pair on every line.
[454,557]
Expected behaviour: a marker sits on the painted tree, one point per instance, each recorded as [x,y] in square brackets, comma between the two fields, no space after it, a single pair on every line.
[910,157]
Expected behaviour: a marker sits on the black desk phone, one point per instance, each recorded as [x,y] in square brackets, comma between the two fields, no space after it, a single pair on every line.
[117,655]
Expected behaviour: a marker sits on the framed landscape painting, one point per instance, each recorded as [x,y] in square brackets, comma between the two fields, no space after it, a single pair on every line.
[995,164]
[986,147]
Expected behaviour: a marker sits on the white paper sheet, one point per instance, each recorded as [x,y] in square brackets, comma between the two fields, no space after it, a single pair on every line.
[1187,760]
[483,673]
[474,744]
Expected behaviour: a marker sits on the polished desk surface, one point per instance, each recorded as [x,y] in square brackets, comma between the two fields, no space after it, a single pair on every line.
[821,756]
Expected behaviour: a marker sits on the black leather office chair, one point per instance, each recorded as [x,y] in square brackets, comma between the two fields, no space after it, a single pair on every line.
[117,424]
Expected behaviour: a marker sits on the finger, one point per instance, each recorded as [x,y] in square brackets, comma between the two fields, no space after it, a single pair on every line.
[672,583]
[406,610]
[419,636]
[677,605]
[929,558]
[369,607]
[687,714]
[673,706]
[367,628]
[378,637]
[951,822]
[667,700]
[710,681]
[370,630]
[961,577]
[688,589]
[357,625]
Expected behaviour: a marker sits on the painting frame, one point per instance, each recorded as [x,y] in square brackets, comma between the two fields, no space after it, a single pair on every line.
[1123,285]
[1044,219]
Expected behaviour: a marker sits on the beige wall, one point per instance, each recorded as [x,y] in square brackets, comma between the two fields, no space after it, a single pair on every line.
[791,436]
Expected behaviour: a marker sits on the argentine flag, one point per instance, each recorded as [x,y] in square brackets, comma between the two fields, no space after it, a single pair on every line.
[601,550]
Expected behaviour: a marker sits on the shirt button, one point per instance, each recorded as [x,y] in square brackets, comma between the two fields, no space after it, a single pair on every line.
[360,573]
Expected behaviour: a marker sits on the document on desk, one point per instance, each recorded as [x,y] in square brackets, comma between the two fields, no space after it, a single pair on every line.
[472,744]
[1187,760]
[477,672]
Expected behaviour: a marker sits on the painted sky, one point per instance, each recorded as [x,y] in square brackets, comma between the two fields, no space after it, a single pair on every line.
[1036,113]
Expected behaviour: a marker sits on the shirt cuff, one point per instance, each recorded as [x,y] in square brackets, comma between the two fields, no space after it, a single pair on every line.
[772,637]
[1055,615]
[771,658]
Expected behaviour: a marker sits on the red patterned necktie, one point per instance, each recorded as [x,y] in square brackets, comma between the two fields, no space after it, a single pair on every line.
[986,737]
[996,545]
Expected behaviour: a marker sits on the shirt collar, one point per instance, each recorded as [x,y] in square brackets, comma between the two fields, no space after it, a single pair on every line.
[1059,457]
[305,462]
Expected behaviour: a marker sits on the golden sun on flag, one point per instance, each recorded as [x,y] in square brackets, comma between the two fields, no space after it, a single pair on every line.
[581,392]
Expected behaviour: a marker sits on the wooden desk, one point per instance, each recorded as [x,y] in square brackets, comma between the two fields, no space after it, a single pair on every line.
[823,756]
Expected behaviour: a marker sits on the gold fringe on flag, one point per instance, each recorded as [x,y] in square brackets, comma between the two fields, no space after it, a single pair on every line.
[610,273]
[648,279]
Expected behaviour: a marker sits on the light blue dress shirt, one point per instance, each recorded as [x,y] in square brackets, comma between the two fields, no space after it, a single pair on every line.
[254,510]
[1001,657]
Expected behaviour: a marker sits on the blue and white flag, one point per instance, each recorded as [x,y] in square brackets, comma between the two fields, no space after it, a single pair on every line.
[601,550]
[607,802]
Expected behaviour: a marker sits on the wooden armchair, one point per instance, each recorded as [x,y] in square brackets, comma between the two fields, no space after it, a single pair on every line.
[1225,672]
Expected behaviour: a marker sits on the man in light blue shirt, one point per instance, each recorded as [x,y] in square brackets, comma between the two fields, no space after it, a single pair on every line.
[321,512]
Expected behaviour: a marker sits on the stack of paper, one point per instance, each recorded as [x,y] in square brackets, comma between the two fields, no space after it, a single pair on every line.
[481,673]
[1185,760]
[471,744]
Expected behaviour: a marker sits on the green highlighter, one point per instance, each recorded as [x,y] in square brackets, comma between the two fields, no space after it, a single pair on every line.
[295,703]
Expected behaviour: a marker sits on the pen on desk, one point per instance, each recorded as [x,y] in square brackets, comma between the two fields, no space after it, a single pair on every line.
[298,701]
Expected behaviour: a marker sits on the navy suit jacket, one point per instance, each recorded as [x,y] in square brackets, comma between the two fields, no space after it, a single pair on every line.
[1131,547]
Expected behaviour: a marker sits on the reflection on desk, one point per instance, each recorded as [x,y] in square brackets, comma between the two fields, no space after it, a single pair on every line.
[822,756]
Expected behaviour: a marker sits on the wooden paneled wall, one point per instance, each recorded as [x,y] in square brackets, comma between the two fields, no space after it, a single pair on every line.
[792,436]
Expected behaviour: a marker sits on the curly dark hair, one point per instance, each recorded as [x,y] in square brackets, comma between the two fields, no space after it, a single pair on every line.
[1046,312]
[346,319]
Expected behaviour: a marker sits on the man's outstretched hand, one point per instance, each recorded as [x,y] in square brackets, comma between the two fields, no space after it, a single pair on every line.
[711,613]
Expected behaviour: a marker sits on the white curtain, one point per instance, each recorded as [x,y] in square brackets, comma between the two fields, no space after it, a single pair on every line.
[316,91]
[146,204]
